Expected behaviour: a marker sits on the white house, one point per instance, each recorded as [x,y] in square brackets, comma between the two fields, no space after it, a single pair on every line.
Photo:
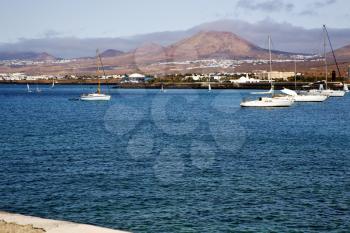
[134,78]
[245,79]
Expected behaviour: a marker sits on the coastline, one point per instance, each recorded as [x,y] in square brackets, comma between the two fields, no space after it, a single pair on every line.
[170,85]
[10,223]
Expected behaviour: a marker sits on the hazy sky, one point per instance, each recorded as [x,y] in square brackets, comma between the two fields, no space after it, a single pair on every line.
[115,18]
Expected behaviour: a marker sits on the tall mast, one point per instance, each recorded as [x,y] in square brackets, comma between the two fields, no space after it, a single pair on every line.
[330,44]
[270,53]
[295,73]
[98,71]
[325,53]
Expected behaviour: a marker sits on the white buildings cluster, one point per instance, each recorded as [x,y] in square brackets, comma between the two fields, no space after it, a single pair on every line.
[255,77]
[33,62]
[22,76]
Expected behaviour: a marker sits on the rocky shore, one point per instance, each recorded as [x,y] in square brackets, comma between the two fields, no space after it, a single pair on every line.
[17,223]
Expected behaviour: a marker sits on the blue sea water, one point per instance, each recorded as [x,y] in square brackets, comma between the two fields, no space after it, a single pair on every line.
[180,161]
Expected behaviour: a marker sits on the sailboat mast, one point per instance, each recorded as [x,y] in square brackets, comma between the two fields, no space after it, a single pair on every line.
[98,72]
[325,54]
[330,45]
[295,73]
[270,53]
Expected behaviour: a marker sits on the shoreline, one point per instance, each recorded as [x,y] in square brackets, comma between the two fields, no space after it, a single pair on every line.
[169,85]
[10,222]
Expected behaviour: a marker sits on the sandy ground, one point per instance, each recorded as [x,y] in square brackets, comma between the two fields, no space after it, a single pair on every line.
[16,223]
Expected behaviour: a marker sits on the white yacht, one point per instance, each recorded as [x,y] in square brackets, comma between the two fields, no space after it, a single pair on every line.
[327,91]
[268,102]
[303,97]
[97,96]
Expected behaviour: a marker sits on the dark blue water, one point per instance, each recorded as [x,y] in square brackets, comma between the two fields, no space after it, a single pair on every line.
[180,161]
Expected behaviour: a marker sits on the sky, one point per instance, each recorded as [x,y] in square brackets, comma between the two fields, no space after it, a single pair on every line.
[29,19]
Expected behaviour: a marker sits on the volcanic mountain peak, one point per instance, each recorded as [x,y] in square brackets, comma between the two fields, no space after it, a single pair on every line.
[111,53]
[215,44]
[45,57]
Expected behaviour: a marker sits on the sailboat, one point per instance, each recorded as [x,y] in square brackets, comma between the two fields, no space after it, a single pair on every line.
[97,96]
[28,89]
[273,101]
[209,88]
[37,89]
[162,88]
[327,91]
[316,97]
[267,102]
[53,84]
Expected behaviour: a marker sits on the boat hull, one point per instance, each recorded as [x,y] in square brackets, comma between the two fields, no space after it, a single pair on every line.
[267,103]
[95,97]
[336,93]
[310,98]
[330,93]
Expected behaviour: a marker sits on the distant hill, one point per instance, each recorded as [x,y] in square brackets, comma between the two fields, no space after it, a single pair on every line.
[213,44]
[206,45]
[111,53]
[26,56]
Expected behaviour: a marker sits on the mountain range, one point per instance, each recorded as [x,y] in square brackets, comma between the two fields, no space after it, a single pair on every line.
[285,36]
[43,56]
[203,45]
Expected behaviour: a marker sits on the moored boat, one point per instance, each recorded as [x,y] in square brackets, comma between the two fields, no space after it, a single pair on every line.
[268,102]
[98,96]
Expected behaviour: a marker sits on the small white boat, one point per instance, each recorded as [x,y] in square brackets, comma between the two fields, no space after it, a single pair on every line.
[95,97]
[346,88]
[98,96]
[162,89]
[28,88]
[268,102]
[38,90]
[304,98]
